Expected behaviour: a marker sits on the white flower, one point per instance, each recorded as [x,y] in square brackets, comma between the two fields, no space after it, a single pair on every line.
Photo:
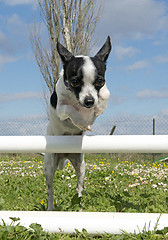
[107,178]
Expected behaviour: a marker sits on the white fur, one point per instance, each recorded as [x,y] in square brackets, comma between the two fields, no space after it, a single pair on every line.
[71,118]
[104,96]
[89,71]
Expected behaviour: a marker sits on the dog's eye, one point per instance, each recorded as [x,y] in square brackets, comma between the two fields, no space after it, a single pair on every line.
[99,82]
[74,82]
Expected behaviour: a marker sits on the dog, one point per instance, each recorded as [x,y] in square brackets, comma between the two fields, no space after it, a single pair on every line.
[80,95]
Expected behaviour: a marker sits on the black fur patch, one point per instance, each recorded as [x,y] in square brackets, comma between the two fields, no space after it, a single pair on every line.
[100,66]
[53,100]
[74,70]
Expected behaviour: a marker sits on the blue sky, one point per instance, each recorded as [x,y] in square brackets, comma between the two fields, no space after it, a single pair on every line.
[137,69]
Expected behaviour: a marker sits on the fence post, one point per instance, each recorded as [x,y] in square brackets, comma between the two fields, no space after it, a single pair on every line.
[153,134]
[112,130]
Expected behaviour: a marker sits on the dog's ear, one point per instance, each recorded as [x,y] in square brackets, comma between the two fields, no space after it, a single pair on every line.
[103,53]
[64,53]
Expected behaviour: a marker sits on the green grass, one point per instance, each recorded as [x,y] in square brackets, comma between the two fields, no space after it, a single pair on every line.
[113,183]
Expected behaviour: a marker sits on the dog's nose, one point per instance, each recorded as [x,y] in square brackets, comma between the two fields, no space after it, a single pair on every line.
[89,102]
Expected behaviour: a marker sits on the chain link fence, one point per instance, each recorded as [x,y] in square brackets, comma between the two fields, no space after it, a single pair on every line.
[24,126]
[132,125]
[125,125]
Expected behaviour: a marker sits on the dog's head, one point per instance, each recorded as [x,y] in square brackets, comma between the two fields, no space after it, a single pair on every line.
[84,75]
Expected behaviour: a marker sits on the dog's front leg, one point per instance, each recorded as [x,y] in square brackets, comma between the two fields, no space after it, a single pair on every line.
[78,163]
[50,166]
[67,111]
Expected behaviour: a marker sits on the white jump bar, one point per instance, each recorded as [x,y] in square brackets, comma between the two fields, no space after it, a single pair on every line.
[85,144]
[93,222]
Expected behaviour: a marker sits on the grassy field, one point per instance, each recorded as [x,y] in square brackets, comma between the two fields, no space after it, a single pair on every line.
[113,183]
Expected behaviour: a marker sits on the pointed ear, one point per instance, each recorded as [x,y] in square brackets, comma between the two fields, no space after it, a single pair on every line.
[64,53]
[103,53]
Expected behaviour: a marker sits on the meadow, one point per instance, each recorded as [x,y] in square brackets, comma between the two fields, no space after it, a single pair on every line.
[113,183]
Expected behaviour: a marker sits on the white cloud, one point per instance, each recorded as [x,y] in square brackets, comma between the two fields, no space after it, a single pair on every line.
[122,52]
[117,100]
[8,59]
[7,97]
[158,42]
[138,65]
[2,37]
[164,112]
[148,94]
[14,20]
[18,28]
[20,2]
[5,44]
[161,59]
[14,35]
[14,39]
[134,18]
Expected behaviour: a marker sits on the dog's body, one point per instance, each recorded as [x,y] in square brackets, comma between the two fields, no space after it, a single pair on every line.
[80,96]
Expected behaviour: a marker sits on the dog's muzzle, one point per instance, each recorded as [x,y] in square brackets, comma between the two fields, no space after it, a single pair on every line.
[89,101]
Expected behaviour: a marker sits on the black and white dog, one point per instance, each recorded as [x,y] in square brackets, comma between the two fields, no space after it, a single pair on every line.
[80,96]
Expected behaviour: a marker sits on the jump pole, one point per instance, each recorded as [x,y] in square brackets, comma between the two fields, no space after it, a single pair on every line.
[85,144]
[94,222]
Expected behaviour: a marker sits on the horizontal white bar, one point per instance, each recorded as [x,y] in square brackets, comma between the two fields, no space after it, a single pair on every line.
[85,144]
[93,222]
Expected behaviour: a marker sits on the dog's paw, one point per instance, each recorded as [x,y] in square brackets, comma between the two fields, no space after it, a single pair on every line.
[89,128]
[85,127]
